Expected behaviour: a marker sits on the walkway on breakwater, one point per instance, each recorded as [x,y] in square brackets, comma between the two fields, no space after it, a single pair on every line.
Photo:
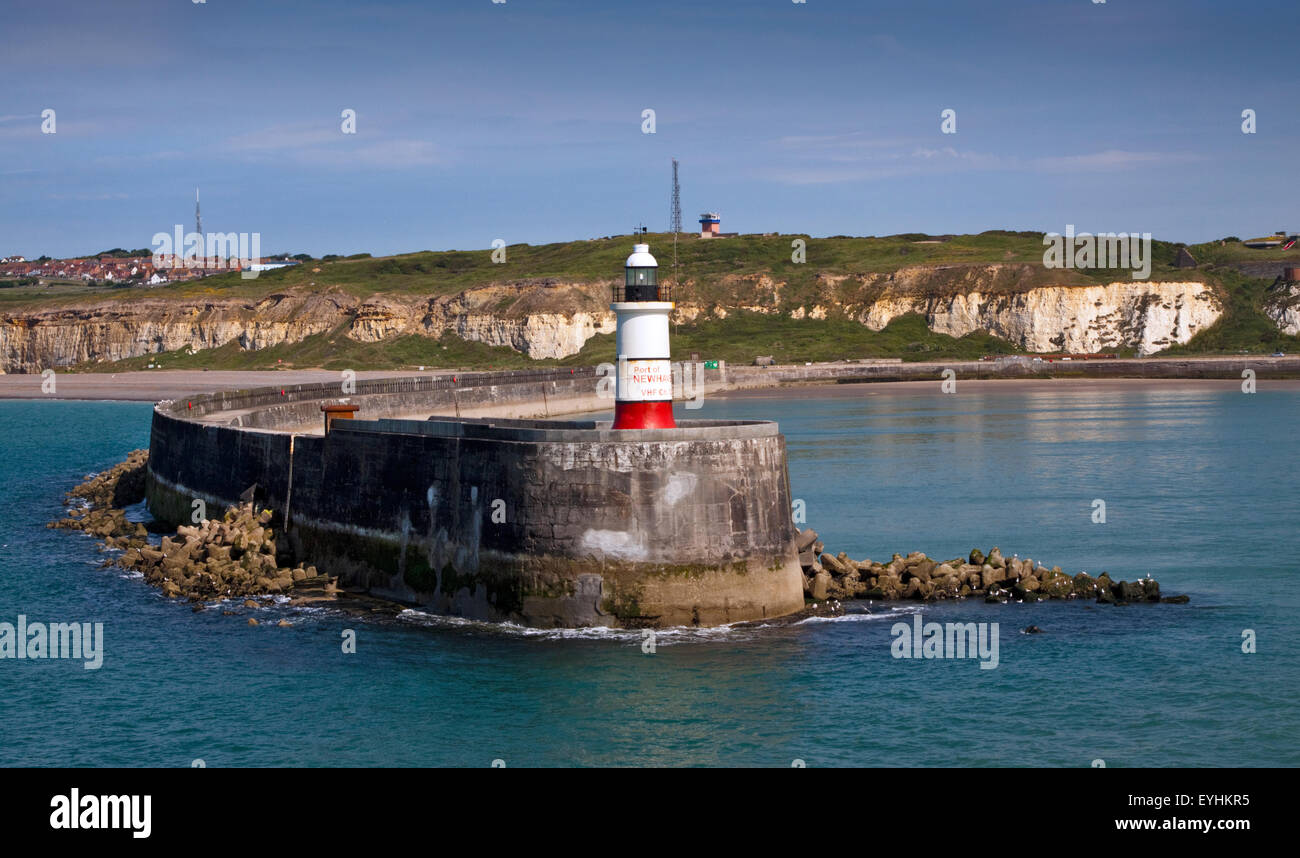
[156,385]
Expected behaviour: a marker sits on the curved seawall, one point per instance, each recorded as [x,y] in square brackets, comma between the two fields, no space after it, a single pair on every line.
[542,522]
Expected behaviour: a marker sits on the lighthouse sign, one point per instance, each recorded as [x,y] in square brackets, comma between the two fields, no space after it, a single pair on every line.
[647,380]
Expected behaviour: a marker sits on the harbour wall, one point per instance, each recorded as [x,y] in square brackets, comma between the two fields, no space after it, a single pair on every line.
[454,491]
[541,522]
[1020,366]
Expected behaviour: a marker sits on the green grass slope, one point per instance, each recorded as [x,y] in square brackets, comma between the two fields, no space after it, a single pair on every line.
[708,272]
[732,339]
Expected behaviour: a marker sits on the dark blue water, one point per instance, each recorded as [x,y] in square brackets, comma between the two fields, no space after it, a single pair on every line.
[1200,489]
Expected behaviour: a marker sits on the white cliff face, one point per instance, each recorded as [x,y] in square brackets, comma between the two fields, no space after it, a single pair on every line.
[540,335]
[30,342]
[550,319]
[1145,316]
[542,321]
[1284,309]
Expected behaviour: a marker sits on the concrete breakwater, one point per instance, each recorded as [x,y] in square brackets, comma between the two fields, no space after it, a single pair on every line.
[238,555]
[1010,367]
[994,577]
[235,555]
[99,502]
[215,560]
[541,522]
[545,523]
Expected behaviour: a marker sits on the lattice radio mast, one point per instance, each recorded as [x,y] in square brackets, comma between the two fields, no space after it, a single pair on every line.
[675,225]
[675,220]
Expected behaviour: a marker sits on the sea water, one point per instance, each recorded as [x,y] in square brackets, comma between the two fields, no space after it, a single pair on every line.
[1200,491]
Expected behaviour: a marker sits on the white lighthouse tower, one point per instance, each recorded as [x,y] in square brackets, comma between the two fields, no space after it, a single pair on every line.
[644,398]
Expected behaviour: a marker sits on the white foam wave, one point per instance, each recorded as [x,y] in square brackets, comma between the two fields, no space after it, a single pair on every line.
[862,617]
[665,636]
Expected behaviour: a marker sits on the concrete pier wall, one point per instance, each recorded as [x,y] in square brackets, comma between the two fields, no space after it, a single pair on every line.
[296,408]
[540,522]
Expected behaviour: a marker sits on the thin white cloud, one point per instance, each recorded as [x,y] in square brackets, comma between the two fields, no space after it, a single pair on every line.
[87,197]
[330,147]
[858,157]
[392,154]
[854,141]
[1109,160]
[282,137]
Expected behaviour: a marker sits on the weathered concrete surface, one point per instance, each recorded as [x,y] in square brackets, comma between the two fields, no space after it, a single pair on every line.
[593,526]
[537,522]
[1014,367]
[516,394]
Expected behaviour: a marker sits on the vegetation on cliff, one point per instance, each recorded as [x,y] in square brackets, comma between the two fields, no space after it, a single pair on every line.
[1243,327]
[741,296]
[736,339]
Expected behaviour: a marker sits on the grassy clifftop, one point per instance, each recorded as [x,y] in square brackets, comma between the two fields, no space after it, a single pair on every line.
[705,267]
[741,275]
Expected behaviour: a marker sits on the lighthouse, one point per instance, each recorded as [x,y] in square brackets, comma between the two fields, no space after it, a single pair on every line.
[644,394]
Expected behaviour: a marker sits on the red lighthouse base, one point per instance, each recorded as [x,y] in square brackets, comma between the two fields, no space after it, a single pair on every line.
[644,415]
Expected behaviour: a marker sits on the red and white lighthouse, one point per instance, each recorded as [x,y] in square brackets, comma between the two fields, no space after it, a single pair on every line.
[644,396]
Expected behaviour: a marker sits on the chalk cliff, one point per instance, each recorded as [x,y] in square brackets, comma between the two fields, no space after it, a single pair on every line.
[554,319]
[1145,316]
[542,319]
[1283,307]
[109,331]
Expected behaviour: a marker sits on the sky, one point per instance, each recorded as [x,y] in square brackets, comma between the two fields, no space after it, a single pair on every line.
[524,120]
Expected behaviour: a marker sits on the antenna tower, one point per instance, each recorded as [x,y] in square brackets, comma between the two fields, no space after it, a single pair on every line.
[675,221]
[676,218]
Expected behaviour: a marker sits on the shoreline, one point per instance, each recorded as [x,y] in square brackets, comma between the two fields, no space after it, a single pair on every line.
[835,380]
[860,389]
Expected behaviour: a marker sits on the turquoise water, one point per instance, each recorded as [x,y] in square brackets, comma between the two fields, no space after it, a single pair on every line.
[1200,488]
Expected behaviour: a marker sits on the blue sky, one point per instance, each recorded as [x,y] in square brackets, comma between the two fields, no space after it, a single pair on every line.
[523,120]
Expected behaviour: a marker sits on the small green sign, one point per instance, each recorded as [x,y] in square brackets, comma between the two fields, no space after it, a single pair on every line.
[710,364]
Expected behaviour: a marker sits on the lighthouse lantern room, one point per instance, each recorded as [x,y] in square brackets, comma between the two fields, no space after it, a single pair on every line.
[644,393]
